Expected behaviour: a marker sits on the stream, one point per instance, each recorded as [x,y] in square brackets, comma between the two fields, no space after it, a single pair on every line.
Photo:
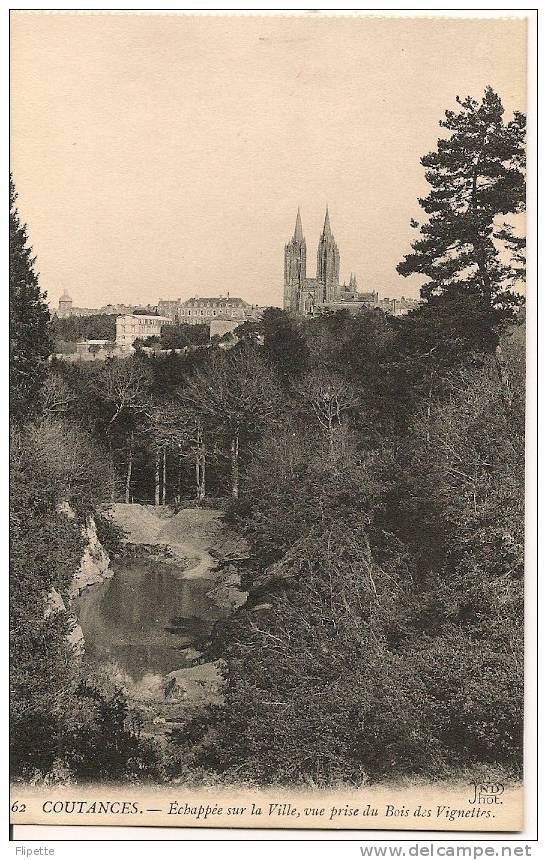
[149,624]
[145,616]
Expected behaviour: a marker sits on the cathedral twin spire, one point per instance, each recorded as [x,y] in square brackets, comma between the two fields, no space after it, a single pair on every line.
[299,233]
[301,291]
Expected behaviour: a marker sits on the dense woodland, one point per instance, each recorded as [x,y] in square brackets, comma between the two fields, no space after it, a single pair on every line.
[375,466]
[67,331]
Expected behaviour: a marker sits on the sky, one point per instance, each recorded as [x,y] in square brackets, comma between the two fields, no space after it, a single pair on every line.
[165,155]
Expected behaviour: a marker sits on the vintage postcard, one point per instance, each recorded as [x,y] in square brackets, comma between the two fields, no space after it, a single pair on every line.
[267,341]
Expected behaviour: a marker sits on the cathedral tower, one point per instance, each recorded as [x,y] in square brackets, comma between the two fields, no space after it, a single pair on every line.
[295,269]
[328,264]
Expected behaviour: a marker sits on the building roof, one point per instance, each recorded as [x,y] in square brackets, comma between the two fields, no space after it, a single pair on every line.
[219,300]
[145,317]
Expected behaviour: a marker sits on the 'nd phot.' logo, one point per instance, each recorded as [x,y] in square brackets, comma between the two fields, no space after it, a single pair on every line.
[487,793]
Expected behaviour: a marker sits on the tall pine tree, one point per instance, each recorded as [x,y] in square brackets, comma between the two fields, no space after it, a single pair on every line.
[30,343]
[477,177]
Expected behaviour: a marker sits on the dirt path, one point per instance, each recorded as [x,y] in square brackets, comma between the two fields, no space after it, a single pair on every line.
[188,534]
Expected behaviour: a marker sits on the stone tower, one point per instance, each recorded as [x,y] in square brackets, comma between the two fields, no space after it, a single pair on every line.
[295,269]
[65,304]
[328,264]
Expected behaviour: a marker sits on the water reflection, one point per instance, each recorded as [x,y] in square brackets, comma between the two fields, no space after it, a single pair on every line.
[144,616]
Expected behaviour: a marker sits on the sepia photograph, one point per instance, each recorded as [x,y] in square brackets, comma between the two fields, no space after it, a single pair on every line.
[267,419]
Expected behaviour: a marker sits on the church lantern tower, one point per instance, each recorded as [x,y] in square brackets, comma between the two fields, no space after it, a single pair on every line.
[328,264]
[295,269]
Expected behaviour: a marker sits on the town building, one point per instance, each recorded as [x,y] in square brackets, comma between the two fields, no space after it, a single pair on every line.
[367,300]
[170,308]
[202,310]
[308,296]
[116,309]
[67,308]
[129,327]
[399,307]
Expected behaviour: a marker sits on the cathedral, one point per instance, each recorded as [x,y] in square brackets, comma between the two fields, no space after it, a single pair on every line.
[308,296]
